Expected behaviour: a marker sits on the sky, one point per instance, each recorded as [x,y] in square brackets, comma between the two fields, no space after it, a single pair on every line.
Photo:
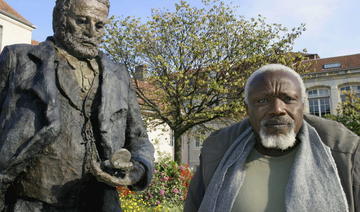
[332,26]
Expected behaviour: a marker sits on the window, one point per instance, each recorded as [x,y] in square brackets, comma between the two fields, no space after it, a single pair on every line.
[349,88]
[319,101]
[198,143]
[331,65]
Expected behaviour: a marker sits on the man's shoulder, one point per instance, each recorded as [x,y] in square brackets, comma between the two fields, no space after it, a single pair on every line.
[220,140]
[334,134]
[233,130]
[217,144]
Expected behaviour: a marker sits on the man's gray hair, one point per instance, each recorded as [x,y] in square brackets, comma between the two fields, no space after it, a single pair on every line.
[274,68]
[61,10]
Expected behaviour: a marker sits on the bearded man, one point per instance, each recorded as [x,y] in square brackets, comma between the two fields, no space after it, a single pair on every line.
[70,125]
[278,159]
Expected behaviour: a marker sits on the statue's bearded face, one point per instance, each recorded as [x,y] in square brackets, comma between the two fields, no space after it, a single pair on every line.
[83,28]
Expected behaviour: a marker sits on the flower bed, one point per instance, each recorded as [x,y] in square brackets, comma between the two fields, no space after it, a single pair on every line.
[166,192]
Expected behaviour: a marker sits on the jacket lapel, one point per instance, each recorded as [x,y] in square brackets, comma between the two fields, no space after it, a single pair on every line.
[68,84]
[113,89]
[44,85]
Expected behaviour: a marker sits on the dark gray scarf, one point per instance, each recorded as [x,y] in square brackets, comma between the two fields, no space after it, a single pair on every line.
[314,183]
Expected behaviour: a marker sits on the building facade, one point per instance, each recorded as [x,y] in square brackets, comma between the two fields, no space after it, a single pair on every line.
[327,81]
[14,28]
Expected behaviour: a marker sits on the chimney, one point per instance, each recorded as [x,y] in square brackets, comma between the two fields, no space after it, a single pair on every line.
[139,72]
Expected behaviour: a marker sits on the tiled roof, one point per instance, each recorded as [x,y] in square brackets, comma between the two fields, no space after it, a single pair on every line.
[334,63]
[34,42]
[7,10]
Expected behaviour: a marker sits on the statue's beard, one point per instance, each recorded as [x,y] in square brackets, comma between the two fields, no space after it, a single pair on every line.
[78,46]
[278,141]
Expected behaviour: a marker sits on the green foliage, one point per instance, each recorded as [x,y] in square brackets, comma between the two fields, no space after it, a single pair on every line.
[348,113]
[168,189]
[197,60]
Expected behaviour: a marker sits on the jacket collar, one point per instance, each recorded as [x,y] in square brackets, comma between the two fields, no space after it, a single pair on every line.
[68,84]
[112,86]
[66,76]
[44,55]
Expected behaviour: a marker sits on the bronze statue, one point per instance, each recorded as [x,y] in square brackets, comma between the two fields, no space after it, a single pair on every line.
[70,125]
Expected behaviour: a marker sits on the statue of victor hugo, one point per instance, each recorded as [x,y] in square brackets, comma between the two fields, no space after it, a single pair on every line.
[70,125]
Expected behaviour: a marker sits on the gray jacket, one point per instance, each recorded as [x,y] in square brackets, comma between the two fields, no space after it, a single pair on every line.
[29,110]
[344,144]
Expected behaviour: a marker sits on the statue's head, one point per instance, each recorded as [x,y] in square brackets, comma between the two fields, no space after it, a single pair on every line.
[78,25]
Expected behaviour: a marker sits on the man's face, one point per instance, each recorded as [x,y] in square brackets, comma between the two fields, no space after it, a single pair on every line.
[275,106]
[84,28]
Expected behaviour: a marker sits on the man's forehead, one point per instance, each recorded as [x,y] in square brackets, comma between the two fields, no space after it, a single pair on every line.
[265,81]
[274,92]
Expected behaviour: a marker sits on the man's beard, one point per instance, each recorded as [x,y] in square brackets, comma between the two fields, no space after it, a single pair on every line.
[73,45]
[278,141]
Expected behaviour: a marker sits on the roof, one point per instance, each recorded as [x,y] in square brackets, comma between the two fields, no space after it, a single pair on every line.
[334,63]
[7,10]
[34,42]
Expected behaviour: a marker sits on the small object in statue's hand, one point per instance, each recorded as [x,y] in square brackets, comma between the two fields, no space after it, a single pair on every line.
[121,160]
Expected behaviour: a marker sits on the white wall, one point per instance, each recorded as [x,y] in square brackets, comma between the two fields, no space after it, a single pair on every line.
[160,137]
[14,32]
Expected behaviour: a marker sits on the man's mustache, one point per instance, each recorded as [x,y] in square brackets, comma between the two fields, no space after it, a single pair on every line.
[277,121]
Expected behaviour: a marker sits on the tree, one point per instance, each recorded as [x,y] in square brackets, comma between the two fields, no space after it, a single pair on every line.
[348,113]
[197,61]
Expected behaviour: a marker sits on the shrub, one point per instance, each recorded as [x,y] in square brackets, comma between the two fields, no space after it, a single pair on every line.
[348,113]
[168,189]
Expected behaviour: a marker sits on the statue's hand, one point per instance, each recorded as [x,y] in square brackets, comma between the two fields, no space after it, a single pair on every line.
[119,169]
[132,175]
[121,160]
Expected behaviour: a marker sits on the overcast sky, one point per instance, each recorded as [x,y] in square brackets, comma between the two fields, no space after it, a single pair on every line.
[332,25]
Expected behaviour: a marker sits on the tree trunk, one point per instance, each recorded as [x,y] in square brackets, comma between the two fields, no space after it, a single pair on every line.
[177,148]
